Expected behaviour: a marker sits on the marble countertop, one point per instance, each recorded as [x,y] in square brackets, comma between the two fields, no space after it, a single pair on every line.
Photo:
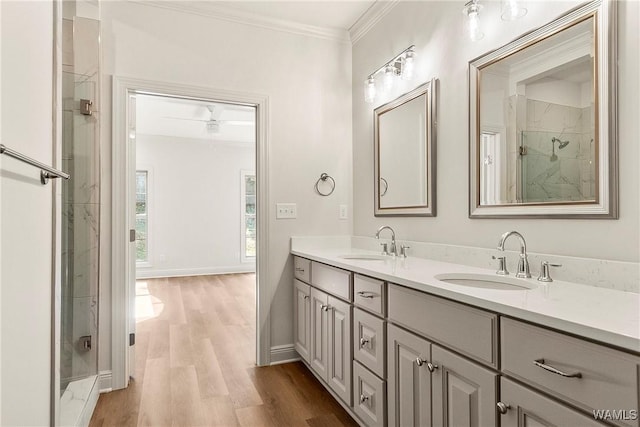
[604,315]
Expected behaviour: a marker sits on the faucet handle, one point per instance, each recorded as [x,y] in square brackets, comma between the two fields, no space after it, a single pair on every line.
[385,250]
[544,271]
[403,250]
[502,265]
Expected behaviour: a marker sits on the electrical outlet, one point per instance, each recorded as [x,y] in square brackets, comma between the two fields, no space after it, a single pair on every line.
[286,210]
[344,213]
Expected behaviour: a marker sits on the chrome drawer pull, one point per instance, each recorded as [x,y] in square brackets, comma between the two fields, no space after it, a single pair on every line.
[540,363]
[431,367]
[419,361]
[300,270]
[366,294]
[306,297]
[363,398]
[363,342]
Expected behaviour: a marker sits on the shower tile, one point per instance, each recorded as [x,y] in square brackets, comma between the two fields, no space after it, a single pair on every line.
[85,249]
[67,42]
[85,323]
[85,168]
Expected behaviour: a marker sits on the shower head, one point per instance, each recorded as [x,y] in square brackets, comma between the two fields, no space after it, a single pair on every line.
[561,144]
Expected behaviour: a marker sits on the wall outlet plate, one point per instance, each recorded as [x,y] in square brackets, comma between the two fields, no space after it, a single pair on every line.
[343,212]
[286,210]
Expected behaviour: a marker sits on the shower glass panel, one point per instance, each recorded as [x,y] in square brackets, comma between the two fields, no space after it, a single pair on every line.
[80,217]
[556,166]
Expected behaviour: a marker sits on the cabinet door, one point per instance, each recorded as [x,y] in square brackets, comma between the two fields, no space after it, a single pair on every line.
[464,393]
[319,324]
[339,344]
[302,318]
[408,379]
[527,408]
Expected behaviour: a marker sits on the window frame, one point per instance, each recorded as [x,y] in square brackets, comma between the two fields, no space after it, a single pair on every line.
[144,168]
[243,217]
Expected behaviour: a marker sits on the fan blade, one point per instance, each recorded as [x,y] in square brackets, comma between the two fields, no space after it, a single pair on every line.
[182,118]
[237,122]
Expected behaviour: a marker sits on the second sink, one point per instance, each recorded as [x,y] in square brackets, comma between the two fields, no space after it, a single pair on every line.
[485,281]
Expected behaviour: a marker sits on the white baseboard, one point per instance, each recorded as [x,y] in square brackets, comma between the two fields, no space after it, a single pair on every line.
[283,354]
[104,381]
[142,273]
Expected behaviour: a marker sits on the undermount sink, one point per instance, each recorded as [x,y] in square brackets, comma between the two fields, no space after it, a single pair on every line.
[363,257]
[486,281]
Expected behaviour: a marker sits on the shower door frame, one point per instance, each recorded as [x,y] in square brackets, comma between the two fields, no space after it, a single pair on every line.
[123,87]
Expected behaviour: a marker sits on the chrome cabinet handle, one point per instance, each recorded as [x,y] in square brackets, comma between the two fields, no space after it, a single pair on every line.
[306,297]
[419,361]
[431,367]
[503,407]
[363,342]
[323,307]
[363,398]
[301,270]
[540,363]
[364,294]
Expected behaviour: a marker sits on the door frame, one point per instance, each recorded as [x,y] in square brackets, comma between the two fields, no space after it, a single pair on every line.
[121,158]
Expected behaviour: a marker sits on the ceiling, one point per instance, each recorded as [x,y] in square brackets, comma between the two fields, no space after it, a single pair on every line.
[327,14]
[341,20]
[185,118]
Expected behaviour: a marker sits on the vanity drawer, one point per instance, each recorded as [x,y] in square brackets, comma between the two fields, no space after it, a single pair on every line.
[468,330]
[368,341]
[608,378]
[369,396]
[368,293]
[302,269]
[333,280]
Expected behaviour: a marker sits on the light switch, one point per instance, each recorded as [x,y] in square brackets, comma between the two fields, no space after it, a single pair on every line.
[286,210]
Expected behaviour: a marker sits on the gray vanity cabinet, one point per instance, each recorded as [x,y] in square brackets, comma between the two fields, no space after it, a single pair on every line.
[319,332]
[302,318]
[408,379]
[330,350]
[526,408]
[339,346]
[464,393]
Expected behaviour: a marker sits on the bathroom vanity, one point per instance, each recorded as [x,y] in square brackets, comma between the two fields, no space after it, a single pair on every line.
[397,346]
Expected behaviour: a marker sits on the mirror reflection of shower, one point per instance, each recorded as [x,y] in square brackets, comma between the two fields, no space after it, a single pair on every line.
[561,145]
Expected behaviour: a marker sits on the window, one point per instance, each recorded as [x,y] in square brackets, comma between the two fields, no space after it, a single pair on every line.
[248,224]
[142,216]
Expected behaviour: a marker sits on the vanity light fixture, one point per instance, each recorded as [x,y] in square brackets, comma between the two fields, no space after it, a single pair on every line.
[472,11]
[512,9]
[401,65]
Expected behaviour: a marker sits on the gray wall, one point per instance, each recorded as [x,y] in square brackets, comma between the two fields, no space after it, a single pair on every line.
[443,52]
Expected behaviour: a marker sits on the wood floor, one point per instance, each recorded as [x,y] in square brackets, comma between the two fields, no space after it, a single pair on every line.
[195,364]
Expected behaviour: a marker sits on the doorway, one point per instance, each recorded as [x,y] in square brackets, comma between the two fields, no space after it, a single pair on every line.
[162,134]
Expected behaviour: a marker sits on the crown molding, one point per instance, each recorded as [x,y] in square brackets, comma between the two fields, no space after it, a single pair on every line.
[226,13]
[370,18]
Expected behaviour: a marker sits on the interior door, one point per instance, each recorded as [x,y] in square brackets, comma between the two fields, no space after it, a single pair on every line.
[131,247]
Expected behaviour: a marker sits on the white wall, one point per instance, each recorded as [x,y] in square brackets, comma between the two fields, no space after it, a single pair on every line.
[26,210]
[194,197]
[307,81]
[443,51]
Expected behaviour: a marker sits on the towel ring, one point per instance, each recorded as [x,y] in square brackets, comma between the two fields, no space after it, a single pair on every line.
[324,177]
[386,186]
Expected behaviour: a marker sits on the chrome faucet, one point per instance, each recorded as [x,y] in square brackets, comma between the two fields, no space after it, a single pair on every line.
[523,264]
[392,251]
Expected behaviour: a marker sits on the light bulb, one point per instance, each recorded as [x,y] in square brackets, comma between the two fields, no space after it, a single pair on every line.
[389,77]
[512,9]
[471,10]
[408,65]
[369,90]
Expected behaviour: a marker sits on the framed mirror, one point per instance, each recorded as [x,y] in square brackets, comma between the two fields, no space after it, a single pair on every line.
[542,121]
[404,147]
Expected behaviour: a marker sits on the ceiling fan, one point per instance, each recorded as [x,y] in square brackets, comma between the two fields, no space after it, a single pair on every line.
[213,122]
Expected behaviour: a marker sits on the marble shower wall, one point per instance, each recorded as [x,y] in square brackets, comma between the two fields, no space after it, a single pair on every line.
[81,198]
[550,173]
